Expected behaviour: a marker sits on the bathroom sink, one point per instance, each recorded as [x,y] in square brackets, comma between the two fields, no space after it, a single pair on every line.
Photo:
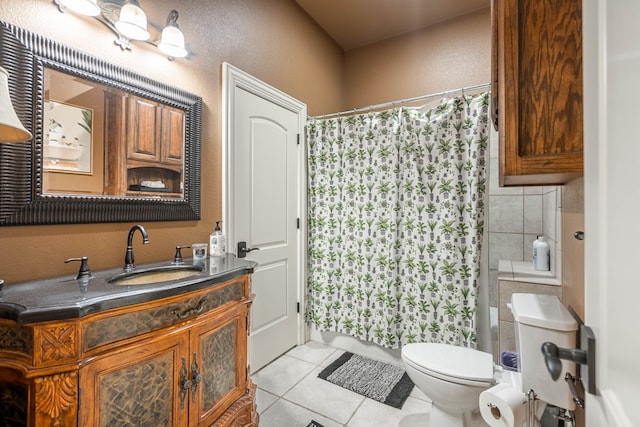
[152,275]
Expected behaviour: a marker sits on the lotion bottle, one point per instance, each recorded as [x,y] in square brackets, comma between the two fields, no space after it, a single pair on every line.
[541,254]
[217,242]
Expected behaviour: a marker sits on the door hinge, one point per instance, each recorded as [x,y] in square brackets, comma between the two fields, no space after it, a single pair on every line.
[298,136]
[298,307]
[298,223]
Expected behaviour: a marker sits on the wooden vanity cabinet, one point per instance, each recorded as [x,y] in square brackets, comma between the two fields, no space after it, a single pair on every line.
[176,361]
[537,79]
[188,378]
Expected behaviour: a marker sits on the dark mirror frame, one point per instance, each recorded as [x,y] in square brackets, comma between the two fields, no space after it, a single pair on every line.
[25,56]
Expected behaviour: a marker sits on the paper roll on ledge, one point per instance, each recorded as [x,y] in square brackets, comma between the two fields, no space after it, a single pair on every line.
[503,406]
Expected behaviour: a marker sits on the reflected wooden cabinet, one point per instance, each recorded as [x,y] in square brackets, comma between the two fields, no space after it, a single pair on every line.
[145,143]
[537,89]
[177,361]
[154,132]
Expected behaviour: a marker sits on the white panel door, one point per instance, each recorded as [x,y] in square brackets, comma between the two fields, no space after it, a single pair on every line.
[612,203]
[265,197]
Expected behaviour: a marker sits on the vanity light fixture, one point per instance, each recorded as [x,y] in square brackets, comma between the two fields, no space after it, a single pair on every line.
[129,22]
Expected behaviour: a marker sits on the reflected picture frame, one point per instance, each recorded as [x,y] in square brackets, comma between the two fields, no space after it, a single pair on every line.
[67,138]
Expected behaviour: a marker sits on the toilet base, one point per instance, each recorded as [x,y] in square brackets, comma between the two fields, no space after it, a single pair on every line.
[440,418]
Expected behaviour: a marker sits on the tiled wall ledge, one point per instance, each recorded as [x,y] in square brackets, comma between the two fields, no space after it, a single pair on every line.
[519,277]
[522,271]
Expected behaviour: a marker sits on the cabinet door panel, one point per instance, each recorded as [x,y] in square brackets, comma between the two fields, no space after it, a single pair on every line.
[172,135]
[143,119]
[136,387]
[539,63]
[221,354]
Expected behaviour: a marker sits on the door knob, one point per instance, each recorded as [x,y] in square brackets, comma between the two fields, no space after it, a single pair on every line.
[243,250]
[586,355]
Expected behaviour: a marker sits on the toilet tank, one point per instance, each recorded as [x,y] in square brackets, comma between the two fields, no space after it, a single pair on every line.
[540,318]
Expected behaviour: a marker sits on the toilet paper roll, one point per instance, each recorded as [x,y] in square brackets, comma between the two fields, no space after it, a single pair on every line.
[503,406]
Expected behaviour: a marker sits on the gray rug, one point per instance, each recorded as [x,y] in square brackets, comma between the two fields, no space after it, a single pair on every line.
[376,380]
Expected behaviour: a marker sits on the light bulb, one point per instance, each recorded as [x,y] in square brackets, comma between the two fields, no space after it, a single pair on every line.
[172,42]
[133,23]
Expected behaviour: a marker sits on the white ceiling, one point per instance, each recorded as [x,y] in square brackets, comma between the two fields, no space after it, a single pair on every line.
[357,23]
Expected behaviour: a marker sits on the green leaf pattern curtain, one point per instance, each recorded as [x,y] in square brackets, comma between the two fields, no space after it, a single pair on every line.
[396,216]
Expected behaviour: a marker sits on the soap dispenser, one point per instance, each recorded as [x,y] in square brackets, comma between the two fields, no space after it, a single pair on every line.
[217,242]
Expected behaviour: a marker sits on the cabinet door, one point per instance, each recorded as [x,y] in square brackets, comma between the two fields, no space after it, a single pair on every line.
[219,365]
[172,136]
[143,129]
[539,56]
[140,386]
[14,399]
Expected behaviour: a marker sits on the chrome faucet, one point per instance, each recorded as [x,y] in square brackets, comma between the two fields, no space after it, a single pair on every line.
[128,258]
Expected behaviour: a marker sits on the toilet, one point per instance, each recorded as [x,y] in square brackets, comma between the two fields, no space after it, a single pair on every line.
[453,377]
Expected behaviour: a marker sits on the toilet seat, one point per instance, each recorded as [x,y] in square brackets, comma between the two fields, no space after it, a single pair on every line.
[451,363]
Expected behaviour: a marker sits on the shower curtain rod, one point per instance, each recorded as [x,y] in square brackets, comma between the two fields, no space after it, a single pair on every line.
[401,102]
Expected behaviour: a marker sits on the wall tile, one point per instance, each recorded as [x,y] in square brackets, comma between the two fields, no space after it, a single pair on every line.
[527,248]
[493,288]
[549,214]
[506,214]
[533,190]
[533,214]
[504,246]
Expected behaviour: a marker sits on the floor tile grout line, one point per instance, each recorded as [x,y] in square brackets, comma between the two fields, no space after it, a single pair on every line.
[318,413]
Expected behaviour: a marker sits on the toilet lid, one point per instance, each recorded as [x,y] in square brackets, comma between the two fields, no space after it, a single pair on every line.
[450,361]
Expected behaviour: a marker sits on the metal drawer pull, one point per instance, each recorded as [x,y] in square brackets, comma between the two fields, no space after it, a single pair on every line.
[191,311]
[185,384]
[196,378]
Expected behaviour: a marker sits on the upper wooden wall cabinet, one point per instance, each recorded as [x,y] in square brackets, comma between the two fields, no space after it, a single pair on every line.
[145,142]
[537,90]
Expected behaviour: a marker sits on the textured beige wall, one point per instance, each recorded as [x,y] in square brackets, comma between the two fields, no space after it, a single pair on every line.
[454,54]
[273,40]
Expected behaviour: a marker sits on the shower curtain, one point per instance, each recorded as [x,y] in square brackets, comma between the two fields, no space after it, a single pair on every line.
[396,217]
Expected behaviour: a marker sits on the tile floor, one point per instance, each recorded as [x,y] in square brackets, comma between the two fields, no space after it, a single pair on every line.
[290,394]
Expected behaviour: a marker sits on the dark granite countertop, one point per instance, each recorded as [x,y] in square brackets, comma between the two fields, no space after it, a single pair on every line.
[62,298]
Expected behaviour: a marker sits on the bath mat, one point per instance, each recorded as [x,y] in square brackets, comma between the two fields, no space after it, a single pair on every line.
[376,380]
[314,424]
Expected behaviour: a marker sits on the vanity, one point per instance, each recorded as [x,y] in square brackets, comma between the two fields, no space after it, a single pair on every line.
[89,352]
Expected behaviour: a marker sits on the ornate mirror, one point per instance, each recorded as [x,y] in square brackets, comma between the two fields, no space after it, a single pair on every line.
[109,144]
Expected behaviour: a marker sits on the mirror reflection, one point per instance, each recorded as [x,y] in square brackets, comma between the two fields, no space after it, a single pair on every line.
[102,141]
[109,144]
